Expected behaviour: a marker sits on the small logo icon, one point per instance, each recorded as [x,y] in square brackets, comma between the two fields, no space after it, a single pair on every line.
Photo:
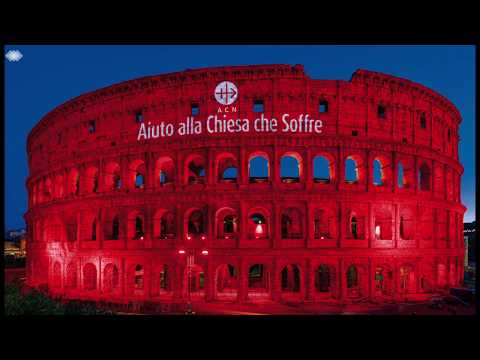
[14,55]
[226,93]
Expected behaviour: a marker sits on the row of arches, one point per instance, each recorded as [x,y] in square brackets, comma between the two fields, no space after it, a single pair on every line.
[323,223]
[383,280]
[113,177]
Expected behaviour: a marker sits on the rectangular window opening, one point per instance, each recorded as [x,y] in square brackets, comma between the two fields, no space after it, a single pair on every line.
[195,109]
[258,106]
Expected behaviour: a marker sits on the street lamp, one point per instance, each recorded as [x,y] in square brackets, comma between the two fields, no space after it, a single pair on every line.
[190,264]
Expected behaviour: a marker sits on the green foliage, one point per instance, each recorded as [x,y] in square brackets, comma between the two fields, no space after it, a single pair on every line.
[37,303]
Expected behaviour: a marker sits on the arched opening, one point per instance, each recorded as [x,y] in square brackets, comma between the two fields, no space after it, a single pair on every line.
[196,223]
[71,275]
[196,170]
[323,224]
[89,277]
[139,228]
[290,278]
[383,225]
[138,279]
[354,227]
[383,281]
[323,279]
[227,223]
[165,283]
[195,281]
[111,278]
[257,226]
[323,106]
[378,175]
[356,281]
[322,171]
[115,228]
[407,279]
[57,275]
[136,175]
[112,176]
[424,177]
[165,170]
[74,182]
[227,171]
[292,224]
[167,226]
[258,169]
[290,168]
[400,176]
[351,170]
[226,282]
[136,229]
[258,278]
[58,188]
[91,180]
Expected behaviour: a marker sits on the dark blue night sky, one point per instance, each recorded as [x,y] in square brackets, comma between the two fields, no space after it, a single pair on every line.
[49,75]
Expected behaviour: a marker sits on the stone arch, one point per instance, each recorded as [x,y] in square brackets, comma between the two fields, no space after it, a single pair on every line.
[258,223]
[324,223]
[292,223]
[383,280]
[291,167]
[111,278]
[323,168]
[290,278]
[89,277]
[137,174]
[164,171]
[195,283]
[112,176]
[136,225]
[382,224]
[407,278]
[227,223]
[325,279]
[258,167]
[91,180]
[164,224]
[71,275]
[226,282]
[353,169]
[356,281]
[356,225]
[74,182]
[226,168]
[195,169]
[195,222]
[258,279]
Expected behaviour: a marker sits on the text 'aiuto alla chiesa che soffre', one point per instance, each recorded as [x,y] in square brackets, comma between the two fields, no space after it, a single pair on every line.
[247,183]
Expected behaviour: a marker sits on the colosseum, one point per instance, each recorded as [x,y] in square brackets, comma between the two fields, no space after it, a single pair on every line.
[182,186]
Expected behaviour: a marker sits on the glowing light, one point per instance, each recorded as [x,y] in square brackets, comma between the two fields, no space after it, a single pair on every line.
[321,237]
[141,238]
[203,237]
[204,252]
[181,251]
[227,237]
[259,229]
[189,237]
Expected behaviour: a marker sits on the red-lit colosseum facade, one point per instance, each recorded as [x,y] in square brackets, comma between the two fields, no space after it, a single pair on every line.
[116,217]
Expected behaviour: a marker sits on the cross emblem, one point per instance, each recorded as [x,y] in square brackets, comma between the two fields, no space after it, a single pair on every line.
[226,93]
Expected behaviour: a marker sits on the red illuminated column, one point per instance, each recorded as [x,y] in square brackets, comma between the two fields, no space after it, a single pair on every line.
[243,223]
[339,171]
[275,167]
[180,225]
[149,171]
[210,240]
[308,280]
[243,168]
[210,281]
[242,281]
[210,167]
[308,225]
[124,169]
[275,230]
[100,226]
[274,286]
[394,172]
[340,280]
[308,170]
[148,227]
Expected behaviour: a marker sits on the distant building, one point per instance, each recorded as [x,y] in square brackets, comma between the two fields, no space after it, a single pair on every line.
[16,235]
[469,237]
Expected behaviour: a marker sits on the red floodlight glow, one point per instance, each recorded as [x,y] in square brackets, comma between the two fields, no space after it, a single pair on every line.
[189,237]
[181,251]
[204,252]
[203,237]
